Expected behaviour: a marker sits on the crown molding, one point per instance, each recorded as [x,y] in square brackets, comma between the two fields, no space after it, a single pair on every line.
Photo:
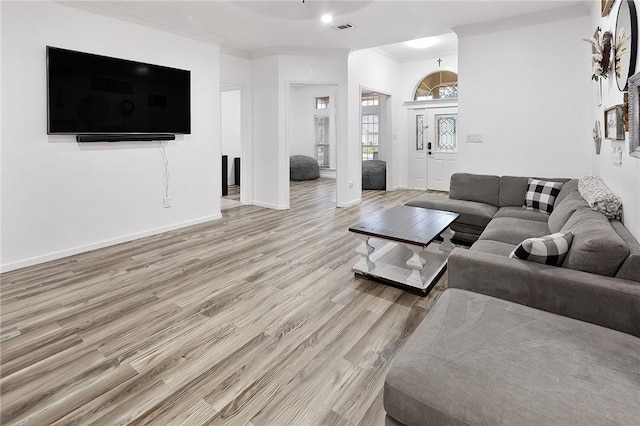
[297,51]
[229,50]
[125,14]
[579,9]
[380,51]
[429,56]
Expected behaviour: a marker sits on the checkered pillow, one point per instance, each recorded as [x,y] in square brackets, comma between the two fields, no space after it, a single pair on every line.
[541,195]
[550,249]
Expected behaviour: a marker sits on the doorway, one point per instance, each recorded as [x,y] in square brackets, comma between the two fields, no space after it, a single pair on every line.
[434,141]
[311,134]
[231,147]
[375,129]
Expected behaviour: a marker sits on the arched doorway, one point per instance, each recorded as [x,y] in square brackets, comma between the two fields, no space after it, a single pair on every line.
[437,85]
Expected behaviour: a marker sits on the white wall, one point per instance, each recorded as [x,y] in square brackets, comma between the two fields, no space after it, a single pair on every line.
[624,180]
[231,129]
[523,90]
[301,126]
[60,197]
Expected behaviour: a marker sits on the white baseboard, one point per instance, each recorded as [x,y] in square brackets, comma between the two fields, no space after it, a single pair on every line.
[101,244]
[399,187]
[349,203]
[328,173]
[270,206]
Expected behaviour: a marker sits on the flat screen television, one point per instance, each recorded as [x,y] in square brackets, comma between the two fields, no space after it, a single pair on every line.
[97,94]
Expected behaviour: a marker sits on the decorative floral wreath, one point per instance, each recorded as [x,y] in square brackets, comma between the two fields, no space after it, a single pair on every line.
[601,56]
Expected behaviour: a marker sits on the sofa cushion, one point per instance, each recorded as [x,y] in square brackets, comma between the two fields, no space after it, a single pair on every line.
[471,213]
[599,197]
[630,268]
[511,230]
[512,190]
[476,359]
[472,187]
[596,247]
[549,250]
[541,195]
[567,188]
[522,213]
[564,209]
[493,247]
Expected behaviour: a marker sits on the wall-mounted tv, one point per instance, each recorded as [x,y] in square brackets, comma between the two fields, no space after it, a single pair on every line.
[101,95]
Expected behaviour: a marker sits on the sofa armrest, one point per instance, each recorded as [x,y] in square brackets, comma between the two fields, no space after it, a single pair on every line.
[606,301]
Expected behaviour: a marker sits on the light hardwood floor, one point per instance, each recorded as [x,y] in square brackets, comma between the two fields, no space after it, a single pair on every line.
[252,319]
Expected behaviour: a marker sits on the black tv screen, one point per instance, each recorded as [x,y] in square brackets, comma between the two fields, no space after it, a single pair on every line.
[97,94]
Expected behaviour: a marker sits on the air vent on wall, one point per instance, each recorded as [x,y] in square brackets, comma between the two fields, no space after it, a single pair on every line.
[343,26]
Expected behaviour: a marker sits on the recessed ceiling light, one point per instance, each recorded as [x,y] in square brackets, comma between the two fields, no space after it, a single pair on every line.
[326,18]
[423,43]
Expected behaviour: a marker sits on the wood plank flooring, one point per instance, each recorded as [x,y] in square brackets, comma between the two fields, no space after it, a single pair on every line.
[252,319]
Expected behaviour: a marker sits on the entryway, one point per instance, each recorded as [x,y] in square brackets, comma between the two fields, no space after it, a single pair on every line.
[375,128]
[231,146]
[311,135]
[434,138]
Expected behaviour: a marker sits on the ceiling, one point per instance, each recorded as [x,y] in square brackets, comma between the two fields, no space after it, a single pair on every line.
[248,28]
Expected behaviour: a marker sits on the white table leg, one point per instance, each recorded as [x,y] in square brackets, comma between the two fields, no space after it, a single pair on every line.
[364,250]
[446,244]
[416,263]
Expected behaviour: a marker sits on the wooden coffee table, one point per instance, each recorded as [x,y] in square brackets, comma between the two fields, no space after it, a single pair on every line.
[398,248]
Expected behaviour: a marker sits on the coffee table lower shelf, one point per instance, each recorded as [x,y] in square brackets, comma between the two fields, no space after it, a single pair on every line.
[400,265]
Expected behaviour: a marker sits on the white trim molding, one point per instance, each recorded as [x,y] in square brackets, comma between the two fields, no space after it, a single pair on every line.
[102,244]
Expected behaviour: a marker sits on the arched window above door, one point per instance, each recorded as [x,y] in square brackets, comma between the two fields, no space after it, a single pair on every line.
[438,85]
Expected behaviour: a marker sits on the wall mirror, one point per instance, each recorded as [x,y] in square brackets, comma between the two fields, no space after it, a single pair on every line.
[627,21]
[634,115]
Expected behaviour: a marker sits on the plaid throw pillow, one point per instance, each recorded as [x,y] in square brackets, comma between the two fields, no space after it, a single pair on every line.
[550,249]
[541,195]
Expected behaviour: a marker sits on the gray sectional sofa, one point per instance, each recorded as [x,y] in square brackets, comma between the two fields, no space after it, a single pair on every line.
[600,271]
[518,342]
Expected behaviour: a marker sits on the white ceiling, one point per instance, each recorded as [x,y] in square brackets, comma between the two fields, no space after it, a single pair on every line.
[251,27]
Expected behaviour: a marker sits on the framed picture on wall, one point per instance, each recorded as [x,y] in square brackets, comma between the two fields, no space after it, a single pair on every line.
[613,123]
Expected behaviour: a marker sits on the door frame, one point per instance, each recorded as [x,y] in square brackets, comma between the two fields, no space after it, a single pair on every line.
[246,147]
[411,107]
[386,148]
[287,123]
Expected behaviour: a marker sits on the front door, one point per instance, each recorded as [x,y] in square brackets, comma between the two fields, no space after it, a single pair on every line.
[442,146]
[434,147]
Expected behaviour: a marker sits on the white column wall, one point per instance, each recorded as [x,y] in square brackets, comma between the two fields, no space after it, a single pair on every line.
[266,180]
[60,197]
